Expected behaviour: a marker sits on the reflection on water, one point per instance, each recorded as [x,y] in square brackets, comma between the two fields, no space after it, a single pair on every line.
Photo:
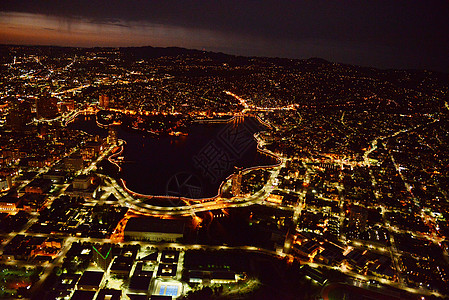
[192,166]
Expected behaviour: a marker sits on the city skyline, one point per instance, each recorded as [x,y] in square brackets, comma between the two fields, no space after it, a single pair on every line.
[383,34]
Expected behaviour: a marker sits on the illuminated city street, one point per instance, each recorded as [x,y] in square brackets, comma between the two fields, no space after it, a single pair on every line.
[233,150]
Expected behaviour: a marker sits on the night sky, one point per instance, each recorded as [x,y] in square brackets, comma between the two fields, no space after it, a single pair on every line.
[387,34]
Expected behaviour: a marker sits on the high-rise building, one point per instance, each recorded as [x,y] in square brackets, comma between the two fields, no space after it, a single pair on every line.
[102,256]
[358,217]
[46,107]
[104,101]
[68,105]
[5,183]
[74,162]
[237,183]
[19,115]
[112,135]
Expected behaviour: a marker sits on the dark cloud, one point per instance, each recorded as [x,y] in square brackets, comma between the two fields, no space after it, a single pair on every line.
[412,32]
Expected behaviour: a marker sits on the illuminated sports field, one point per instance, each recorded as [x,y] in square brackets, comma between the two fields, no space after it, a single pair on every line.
[170,288]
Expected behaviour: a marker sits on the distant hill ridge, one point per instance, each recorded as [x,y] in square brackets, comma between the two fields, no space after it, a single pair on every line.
[150,52]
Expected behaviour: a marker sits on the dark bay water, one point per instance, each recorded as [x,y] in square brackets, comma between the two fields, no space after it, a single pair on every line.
[191,166]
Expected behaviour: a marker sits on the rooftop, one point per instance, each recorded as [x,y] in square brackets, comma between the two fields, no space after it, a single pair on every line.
[154,225]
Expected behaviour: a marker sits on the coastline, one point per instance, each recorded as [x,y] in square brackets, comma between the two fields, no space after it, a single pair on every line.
[261,149]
